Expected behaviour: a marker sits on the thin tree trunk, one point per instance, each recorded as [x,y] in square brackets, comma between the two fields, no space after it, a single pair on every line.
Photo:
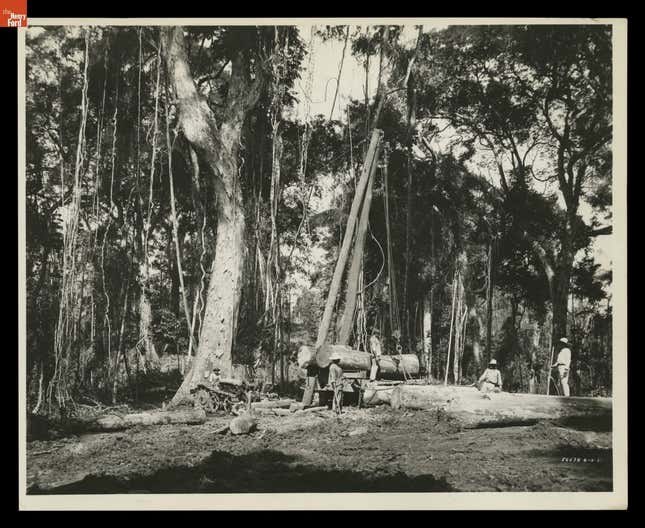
[452,317]
[175,232]
[489,304]
[120,349]
[145,319]
[457,341]
[427,335]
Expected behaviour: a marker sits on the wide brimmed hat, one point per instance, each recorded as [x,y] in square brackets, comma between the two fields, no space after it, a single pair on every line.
[334,356]
[492,362]
[564,340]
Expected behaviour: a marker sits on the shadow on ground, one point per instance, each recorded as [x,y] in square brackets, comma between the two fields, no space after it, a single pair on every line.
[258,472]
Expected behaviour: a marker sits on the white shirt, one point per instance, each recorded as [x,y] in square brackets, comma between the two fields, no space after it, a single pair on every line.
[564,357]
[375,346]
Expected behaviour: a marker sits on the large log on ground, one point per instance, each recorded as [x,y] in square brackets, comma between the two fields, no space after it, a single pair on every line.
[377,395]
[114,422]
[271,404]
[399,366]
[475,409]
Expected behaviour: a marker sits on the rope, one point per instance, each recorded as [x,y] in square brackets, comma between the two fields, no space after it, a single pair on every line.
[340,71]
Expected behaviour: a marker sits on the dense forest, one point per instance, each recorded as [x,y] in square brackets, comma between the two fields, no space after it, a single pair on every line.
[182,215]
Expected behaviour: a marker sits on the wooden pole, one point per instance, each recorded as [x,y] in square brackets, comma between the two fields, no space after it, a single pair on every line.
[370,158]
[390,260]
[323,329]
[353,276]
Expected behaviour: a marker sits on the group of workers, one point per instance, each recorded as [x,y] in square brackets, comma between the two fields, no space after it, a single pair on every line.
[489,381]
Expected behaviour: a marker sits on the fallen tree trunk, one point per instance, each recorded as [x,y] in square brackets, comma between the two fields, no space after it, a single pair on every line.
[271,404]
[312,409]
[474,409]
[399,366]
[377,395]
[114,422]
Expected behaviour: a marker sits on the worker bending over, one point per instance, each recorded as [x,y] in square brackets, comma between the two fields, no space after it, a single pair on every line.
[491,379]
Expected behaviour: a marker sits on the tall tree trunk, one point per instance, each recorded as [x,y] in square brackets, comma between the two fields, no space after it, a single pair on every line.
[558,277]
[219,148]
[427,333]
[452,319]
[145,318]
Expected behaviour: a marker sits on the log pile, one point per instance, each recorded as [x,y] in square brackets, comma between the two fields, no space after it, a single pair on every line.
[390,367]
[475,409]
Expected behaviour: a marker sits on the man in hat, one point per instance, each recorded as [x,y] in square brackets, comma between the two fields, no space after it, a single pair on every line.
[336,382]
[563,363]
[213,376]
[375,349]
[491,379]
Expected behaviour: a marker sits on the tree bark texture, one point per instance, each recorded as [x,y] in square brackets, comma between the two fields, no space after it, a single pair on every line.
[218,147]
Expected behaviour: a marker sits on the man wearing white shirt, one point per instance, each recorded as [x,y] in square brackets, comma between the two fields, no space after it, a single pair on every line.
[563,362]
[375,349]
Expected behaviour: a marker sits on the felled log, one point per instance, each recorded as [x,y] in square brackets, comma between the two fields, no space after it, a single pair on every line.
[377,395]
[475,409]
[281,412]
[242,424]
[270,404]
[398,366]
[114,422]
[266,412]
[312,409]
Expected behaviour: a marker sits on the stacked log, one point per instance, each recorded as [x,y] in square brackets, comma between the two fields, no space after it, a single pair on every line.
[475,409]
[395,367]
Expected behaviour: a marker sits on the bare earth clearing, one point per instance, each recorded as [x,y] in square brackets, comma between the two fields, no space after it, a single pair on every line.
[375,449]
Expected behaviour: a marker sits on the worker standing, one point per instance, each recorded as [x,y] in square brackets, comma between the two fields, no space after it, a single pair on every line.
[563,363]
[375,350]
[336,382]
[491,379]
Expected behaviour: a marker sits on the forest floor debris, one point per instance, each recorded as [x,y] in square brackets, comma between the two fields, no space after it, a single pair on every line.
[321,452]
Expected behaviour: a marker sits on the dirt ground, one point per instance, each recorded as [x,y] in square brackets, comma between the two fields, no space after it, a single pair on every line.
[364,450]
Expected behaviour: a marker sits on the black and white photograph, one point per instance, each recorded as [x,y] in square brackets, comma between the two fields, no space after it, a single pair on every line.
[329,259]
